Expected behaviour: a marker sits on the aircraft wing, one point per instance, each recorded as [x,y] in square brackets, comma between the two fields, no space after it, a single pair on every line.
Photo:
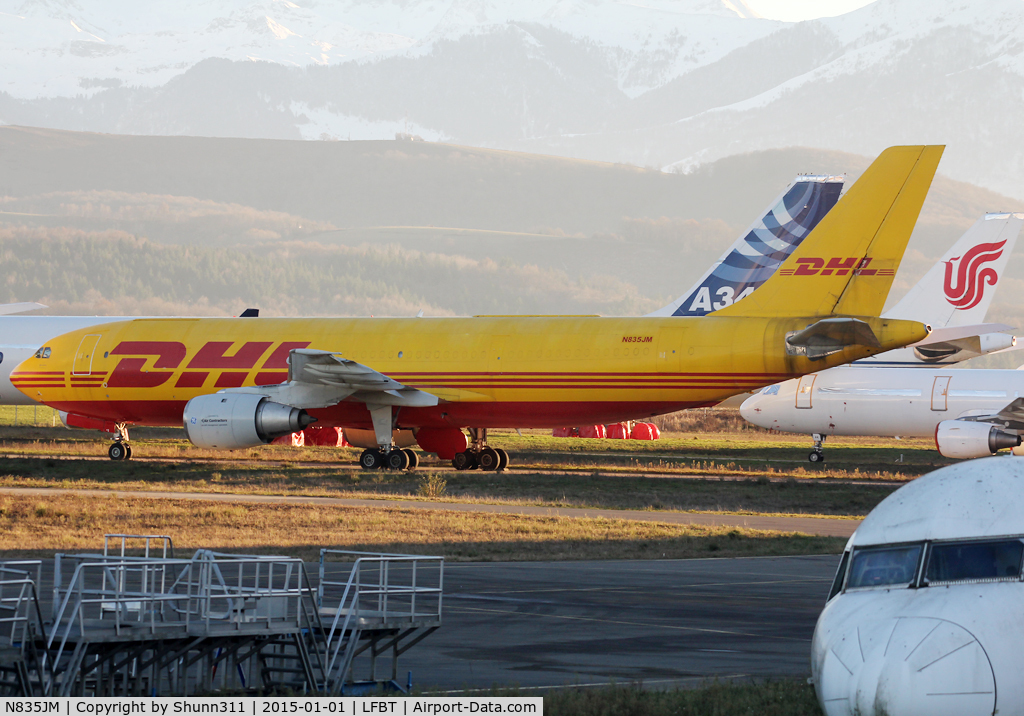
[8,309]
[1011,416]
[318,379]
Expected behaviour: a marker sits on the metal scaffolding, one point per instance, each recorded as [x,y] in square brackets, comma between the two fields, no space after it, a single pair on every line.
[134,620]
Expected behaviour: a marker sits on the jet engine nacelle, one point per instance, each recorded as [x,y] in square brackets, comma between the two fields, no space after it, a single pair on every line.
[230,421]
[967,439]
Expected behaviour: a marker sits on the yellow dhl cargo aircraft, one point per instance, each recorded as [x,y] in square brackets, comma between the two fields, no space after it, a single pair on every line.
[238,383]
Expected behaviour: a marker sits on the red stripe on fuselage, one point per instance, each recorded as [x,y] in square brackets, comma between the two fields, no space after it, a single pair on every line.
[533,414]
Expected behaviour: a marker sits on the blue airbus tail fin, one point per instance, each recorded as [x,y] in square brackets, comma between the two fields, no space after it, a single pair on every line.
[763,246]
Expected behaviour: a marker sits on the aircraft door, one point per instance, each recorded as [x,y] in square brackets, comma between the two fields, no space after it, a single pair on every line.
[670,344]
[83,359]
[940,392]
[803,391]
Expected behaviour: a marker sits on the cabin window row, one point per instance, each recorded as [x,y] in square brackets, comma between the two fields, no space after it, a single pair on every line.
[924,564]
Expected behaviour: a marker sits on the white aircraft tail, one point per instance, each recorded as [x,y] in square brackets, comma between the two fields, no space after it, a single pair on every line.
[761,248]
[954,296]
[958,290]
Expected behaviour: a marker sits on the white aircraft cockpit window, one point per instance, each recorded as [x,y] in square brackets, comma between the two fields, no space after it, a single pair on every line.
[891,566]
[771,390]
[43,352]
[959,562]
[837,583]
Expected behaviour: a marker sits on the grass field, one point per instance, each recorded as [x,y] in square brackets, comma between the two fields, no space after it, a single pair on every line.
[34,527]
[628,491]
[743,472]
[741,453]
[772,698]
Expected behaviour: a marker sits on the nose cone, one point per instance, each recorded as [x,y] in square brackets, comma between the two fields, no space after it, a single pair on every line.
[904,666]
[28,379]
[752,412]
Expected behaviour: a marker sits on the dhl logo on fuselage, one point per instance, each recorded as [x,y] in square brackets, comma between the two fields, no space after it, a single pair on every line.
[168,356]
[129,373]
[840,266]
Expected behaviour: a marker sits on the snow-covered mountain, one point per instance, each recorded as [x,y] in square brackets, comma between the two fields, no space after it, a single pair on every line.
[62,48]
[666,83]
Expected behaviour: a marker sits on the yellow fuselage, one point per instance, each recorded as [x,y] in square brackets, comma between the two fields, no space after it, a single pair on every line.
[487,371]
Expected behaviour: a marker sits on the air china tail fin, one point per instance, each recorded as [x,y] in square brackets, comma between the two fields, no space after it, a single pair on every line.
[958,290]
[761,248]
[847,265]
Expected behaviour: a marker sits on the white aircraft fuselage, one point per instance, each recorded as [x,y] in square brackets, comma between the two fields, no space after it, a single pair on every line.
[903,402]
[924,616]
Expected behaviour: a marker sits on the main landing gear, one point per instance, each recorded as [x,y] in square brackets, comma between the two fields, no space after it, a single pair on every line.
[387,456]
[818,453]
[480,455]
[120,449]
[393,459]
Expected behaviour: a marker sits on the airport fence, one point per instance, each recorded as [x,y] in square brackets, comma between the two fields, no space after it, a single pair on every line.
[29,416]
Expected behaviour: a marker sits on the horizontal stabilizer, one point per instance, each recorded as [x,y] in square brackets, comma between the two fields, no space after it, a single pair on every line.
[953,333]
[831,335]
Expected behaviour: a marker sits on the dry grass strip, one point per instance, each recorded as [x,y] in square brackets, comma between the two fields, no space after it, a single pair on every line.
[34,527]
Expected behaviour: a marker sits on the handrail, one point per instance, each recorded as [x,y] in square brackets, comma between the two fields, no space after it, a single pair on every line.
[25,583]
[355,591]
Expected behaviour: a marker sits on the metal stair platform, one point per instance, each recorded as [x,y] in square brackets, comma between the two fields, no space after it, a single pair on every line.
[136,620]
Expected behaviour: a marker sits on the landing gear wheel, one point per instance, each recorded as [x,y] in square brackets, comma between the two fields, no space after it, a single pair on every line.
[127,452]
[371,460]
[464,461]
[816,456]
[503,459]
[397,460]
[488,459]
[117,451]
[414,458]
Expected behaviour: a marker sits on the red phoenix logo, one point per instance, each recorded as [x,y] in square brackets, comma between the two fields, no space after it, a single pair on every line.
[970,277]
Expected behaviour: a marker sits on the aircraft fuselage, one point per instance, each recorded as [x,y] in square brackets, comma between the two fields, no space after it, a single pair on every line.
[881,401]
[486,371]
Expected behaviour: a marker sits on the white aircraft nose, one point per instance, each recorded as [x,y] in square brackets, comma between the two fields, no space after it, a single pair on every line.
[747,409]
[908,666]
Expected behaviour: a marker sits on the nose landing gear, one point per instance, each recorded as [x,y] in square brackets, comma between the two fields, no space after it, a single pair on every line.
[818,453]
[480,455]
[120,449]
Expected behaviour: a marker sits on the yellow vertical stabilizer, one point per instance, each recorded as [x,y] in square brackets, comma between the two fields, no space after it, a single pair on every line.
[847,264]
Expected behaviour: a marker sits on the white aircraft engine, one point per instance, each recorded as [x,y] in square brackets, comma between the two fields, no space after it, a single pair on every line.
[239,420]
[966,439]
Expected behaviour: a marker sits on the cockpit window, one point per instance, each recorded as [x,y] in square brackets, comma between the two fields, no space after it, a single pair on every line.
[837,583]
[884,566]
[974,561]
[43,352]
[771,390]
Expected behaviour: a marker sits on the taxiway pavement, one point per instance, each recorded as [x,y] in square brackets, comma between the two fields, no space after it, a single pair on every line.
[662,622]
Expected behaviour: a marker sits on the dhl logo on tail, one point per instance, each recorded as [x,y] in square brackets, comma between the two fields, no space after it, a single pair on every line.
[839,266]
[970,277]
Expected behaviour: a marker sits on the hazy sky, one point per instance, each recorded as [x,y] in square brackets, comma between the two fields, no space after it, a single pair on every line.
[796,10]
